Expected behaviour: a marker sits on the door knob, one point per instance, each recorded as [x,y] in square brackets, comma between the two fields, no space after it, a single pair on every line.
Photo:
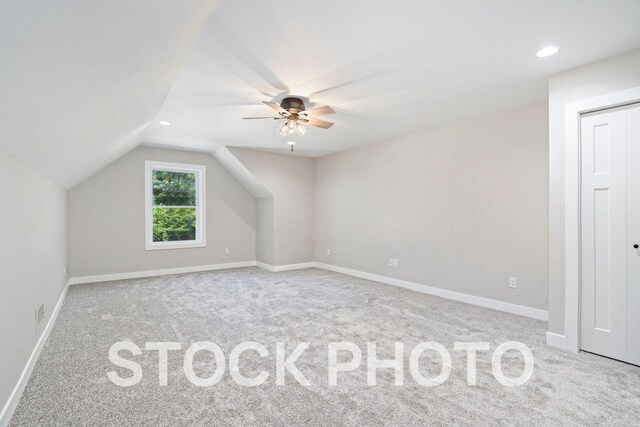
[636,246]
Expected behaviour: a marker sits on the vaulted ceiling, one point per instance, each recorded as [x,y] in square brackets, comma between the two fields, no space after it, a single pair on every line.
[83,82]
[387,67]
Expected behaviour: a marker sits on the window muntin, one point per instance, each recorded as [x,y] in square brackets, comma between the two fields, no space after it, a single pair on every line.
[175,205]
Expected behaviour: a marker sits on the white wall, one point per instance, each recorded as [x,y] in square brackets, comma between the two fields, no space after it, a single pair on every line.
[33,253]
[107,218]
[264,230]
[462,207]
[599,78]
[290,179]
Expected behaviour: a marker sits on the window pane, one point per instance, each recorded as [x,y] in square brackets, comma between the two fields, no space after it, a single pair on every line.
[174,188]
[174,224]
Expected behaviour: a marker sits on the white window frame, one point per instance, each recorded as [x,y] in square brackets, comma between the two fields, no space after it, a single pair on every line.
[201,180]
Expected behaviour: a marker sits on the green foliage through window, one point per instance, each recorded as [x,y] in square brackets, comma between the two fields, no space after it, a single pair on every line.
[174,188]
[174,201]
[174,224]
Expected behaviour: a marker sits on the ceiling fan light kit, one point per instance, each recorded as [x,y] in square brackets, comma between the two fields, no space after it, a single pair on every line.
[296,116]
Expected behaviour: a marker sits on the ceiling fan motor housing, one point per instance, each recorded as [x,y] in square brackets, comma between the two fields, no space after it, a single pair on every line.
[292,104]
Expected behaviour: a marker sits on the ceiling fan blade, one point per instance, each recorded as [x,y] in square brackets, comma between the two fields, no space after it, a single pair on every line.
[318,123]
[276,107]
[254,118]
[320,111]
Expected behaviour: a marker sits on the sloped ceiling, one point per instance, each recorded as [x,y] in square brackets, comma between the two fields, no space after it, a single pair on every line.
[80,81]
[387,67]
[236,168]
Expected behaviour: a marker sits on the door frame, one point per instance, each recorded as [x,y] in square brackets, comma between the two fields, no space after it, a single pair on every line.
[572,234]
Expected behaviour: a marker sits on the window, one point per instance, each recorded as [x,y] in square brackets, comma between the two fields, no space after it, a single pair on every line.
[175,206]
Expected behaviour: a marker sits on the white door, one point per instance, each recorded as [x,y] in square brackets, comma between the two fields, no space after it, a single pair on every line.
[610,228]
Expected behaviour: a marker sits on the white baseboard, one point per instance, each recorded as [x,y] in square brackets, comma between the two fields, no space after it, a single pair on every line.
[16,394]
[287,267]
[555,340]
[264,266]
[507,307]
[162,272]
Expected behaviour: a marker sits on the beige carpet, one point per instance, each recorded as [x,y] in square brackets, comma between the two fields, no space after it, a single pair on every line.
[69,385]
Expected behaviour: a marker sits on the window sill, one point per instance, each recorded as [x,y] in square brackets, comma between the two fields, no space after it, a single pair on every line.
[173,245]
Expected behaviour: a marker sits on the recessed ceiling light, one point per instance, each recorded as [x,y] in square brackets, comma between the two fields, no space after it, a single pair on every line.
[547,51]
[164,123]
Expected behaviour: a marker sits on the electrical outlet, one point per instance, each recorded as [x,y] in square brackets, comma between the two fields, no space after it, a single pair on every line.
[226,251]
[513,282]
[395,262]
[390,262]
[328,251]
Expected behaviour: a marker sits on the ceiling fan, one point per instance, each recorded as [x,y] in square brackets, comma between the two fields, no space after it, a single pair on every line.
[293,111]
